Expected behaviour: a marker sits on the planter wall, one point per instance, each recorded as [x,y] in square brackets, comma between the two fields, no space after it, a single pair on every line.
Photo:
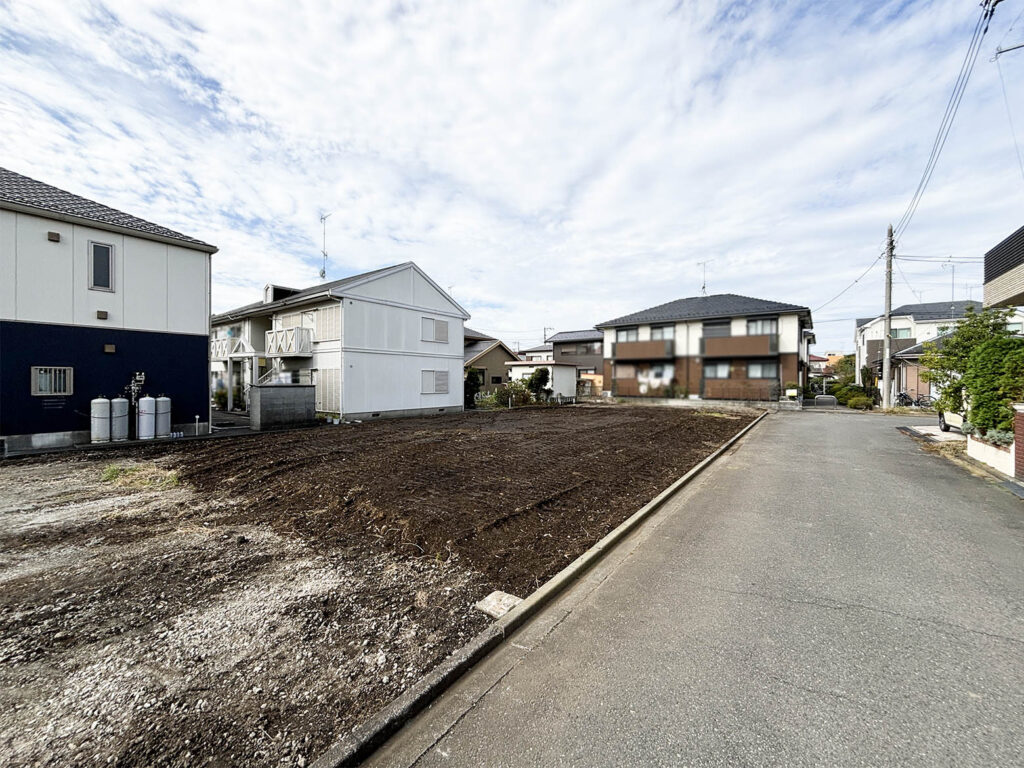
[999,458]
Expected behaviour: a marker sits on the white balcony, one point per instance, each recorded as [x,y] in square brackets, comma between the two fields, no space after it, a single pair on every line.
[290,342]
[229,347]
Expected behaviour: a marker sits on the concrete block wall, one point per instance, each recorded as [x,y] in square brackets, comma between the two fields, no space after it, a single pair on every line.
[278,405]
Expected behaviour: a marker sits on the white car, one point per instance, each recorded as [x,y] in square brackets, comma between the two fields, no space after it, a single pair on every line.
[950,419]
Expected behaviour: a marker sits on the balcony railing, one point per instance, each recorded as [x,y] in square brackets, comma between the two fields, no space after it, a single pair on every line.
[656,349]
[290,342]
[740,346]
[223,349]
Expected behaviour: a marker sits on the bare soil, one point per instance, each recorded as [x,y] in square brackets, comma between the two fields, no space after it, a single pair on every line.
[245,601]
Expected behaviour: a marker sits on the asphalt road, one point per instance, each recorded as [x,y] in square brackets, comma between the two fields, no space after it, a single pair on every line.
[827,594]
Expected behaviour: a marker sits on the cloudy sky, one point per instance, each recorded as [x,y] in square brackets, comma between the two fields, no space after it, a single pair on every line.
[555,163]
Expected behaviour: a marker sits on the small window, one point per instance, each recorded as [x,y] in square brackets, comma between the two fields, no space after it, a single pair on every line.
[716,370]
[434,382]
[101,267]
[762,369]
[625,334]
[717,331]
[762,327]
[495,379]
[900,333]
[47,382]
[435,330]
[663,332]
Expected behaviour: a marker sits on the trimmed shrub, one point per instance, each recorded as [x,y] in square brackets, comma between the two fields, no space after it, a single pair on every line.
[860,402]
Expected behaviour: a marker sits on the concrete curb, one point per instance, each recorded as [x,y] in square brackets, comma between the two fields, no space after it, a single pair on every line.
[355,747]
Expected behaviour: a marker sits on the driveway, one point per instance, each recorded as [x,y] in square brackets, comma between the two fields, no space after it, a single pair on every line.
[827,594]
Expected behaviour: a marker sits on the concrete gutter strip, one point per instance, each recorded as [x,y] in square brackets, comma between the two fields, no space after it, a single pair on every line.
[352,749]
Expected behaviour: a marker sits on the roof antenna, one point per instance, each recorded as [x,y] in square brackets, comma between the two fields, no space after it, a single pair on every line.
[323,251]
[704,276]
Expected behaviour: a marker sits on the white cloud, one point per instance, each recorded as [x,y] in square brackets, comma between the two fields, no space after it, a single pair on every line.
[557,163]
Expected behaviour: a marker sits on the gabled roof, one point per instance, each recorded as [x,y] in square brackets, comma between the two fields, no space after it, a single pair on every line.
[591,334]
[933,310]
[24,195]
[722,305]
[481,347]
[334,289]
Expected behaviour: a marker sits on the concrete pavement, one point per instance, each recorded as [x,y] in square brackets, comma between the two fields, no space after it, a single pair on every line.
[827,594]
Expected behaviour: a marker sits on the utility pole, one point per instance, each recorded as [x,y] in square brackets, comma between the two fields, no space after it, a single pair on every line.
[887,341]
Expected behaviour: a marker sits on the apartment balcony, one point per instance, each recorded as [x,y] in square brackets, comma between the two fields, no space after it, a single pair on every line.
[656,349]
[740,346]
[290,342]
[231,347]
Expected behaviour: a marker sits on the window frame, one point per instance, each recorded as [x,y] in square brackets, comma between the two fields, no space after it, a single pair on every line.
[662,328]
[716,366]
[762,363]
[69,383]
[435,377]
[757,321]
[433,330]
[894,333]
[627,331]
[724,324]
[92,269]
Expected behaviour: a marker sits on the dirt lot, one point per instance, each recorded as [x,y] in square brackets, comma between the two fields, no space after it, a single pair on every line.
[244,601]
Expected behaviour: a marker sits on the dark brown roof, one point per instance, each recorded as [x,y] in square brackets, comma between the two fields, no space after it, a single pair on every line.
[21,191]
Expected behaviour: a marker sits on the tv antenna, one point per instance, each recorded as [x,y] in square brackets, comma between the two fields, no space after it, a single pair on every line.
[323,251]
[704,276]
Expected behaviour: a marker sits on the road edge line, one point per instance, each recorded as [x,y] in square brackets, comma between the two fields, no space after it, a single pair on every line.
[360,743]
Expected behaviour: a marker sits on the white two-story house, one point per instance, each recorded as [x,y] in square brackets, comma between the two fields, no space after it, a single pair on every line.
[90,299]
[714,347]
[383,343]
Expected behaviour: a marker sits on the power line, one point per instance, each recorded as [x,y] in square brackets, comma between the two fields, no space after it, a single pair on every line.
[952,107]
[1009,117]
[862,274]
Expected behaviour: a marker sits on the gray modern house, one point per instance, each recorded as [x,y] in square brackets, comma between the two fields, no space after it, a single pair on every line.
[580,348]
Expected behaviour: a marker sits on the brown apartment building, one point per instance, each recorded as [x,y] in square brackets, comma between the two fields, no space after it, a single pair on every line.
[715,347]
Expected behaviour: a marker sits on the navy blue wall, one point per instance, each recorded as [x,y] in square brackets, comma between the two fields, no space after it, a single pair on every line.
[175,364]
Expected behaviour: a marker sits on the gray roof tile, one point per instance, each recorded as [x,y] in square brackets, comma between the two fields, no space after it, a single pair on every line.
[591,334]
[258,307]
[21,190]
[934,310]
[704,307]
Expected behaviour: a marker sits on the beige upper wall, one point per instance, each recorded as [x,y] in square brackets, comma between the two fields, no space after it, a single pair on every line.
[157,287]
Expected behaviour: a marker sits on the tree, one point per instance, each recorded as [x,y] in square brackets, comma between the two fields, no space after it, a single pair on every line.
[948,359]
[846,368]
[471,387]
[538,382]
[985,378]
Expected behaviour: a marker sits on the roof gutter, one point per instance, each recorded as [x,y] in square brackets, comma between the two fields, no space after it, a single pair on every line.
[94,224]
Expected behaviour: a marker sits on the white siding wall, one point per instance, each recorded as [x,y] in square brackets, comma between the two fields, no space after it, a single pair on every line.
[738,326]
[561,381]
[789,334]
[157,287]
[383,352]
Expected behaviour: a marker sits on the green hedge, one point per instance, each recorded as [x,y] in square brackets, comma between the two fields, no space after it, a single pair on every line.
[993,381]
